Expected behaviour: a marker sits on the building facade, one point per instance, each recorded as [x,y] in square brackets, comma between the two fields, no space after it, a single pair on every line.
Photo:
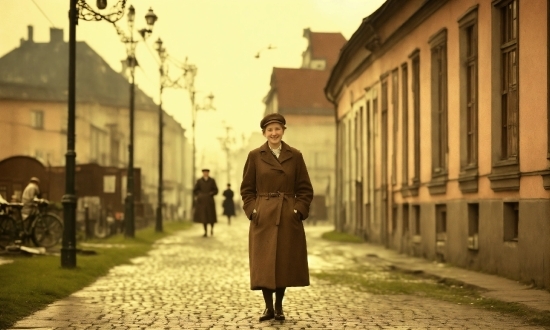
[297,94]
[443,133]
[33,108]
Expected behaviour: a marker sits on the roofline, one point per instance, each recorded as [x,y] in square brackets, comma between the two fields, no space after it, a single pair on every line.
[366,36]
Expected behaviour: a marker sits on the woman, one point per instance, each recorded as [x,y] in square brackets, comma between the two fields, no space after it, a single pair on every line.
[276,193]
[228,204]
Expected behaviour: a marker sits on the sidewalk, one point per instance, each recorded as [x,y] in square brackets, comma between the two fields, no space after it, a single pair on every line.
[492,286]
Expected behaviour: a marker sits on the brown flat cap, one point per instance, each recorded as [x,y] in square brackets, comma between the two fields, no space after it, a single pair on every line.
[273,118]
[205,170]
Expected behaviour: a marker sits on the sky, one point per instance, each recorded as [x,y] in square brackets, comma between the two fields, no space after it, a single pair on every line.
[221,37]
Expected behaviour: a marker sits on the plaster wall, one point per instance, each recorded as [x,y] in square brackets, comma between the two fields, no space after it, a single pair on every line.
[526,259]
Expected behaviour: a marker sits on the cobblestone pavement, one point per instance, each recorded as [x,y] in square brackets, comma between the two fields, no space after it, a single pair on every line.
[191,282]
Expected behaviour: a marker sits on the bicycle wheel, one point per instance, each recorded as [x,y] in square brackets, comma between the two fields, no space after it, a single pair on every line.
[8,230]
[47,230]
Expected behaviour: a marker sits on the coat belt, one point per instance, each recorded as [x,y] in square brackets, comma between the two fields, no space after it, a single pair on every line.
[275,194]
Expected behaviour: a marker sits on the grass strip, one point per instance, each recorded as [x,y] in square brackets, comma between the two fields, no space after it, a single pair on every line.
[337,236]
[386,282]
[31,283]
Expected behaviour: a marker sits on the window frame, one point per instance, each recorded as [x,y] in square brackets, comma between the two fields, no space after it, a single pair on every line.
[505,174]
[37,119]
[469,100]
[415,89]
[439,113]
[405,124]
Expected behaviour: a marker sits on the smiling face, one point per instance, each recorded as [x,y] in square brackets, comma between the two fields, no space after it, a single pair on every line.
[274,133]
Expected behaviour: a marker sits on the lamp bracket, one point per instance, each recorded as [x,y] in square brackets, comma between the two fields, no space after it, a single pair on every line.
[87,13]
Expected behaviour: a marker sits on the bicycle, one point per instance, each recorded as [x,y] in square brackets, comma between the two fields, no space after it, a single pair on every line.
[8,225]
[43,228]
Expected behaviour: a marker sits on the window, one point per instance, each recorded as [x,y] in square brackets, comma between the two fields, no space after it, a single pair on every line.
[511,221]
[405,128]
[384,134]
[473,226]
[509,80]
[415,57]
[471,95]
[468,100]
[37,119]
[439,103]
[98,145]
[405,219]
[394,219]
[505,174]
[469,60]
[375,128]
[441,219]
[416,214]
[395,115]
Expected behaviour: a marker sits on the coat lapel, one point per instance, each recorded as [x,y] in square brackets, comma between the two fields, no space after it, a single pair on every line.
[268,157]
[286,153]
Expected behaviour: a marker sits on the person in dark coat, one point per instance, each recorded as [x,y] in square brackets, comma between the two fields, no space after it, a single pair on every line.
[205,209]
[228,204]
[276,193]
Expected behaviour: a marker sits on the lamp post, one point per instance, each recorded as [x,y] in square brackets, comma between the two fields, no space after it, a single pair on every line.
[207,105]
[131,62]
[78,9]
[164,82]
[226,143]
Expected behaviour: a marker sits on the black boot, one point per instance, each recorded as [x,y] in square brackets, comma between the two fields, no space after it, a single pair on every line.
[279,315]
[268,314]
[279,295]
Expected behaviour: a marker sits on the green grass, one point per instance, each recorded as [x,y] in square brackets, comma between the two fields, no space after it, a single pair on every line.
[341,237]
[379,281]
[31,283]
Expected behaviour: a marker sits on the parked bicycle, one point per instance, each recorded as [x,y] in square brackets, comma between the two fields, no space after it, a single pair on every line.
[43,228]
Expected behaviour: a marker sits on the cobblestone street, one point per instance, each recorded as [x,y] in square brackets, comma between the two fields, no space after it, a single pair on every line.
[191,282]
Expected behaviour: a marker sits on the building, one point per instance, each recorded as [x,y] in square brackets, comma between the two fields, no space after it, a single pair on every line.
[443,133]
[297,94]
[33,108]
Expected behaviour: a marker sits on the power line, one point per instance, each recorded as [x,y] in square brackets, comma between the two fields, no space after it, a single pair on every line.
[43,13]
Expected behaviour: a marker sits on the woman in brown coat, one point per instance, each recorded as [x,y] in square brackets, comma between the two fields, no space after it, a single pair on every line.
[276,193]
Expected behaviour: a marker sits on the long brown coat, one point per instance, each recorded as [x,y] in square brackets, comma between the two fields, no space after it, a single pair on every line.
[205,208]
[277,242]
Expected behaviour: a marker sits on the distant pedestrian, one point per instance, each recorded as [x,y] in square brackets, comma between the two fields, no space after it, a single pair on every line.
[276,193]
[205,209]
[228,204]
[30,193]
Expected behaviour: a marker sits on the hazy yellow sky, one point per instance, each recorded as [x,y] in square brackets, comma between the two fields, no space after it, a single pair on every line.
[221,37]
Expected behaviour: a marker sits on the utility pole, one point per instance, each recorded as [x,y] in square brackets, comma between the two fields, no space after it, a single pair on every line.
[226,143]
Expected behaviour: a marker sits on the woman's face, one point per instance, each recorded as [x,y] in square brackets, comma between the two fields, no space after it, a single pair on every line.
[274,133]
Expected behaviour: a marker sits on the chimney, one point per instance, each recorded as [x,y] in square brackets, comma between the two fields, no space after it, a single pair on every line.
[30,33]
[56,35]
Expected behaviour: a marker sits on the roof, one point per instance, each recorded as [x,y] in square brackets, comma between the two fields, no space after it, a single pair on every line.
[39,72]
[368,44]
[300,91]
[327,46]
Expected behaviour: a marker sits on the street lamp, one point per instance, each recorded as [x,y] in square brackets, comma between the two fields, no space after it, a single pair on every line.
[164,82]
[78,9]
[206,105]
[226,143]
[131,63]
[189,72]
